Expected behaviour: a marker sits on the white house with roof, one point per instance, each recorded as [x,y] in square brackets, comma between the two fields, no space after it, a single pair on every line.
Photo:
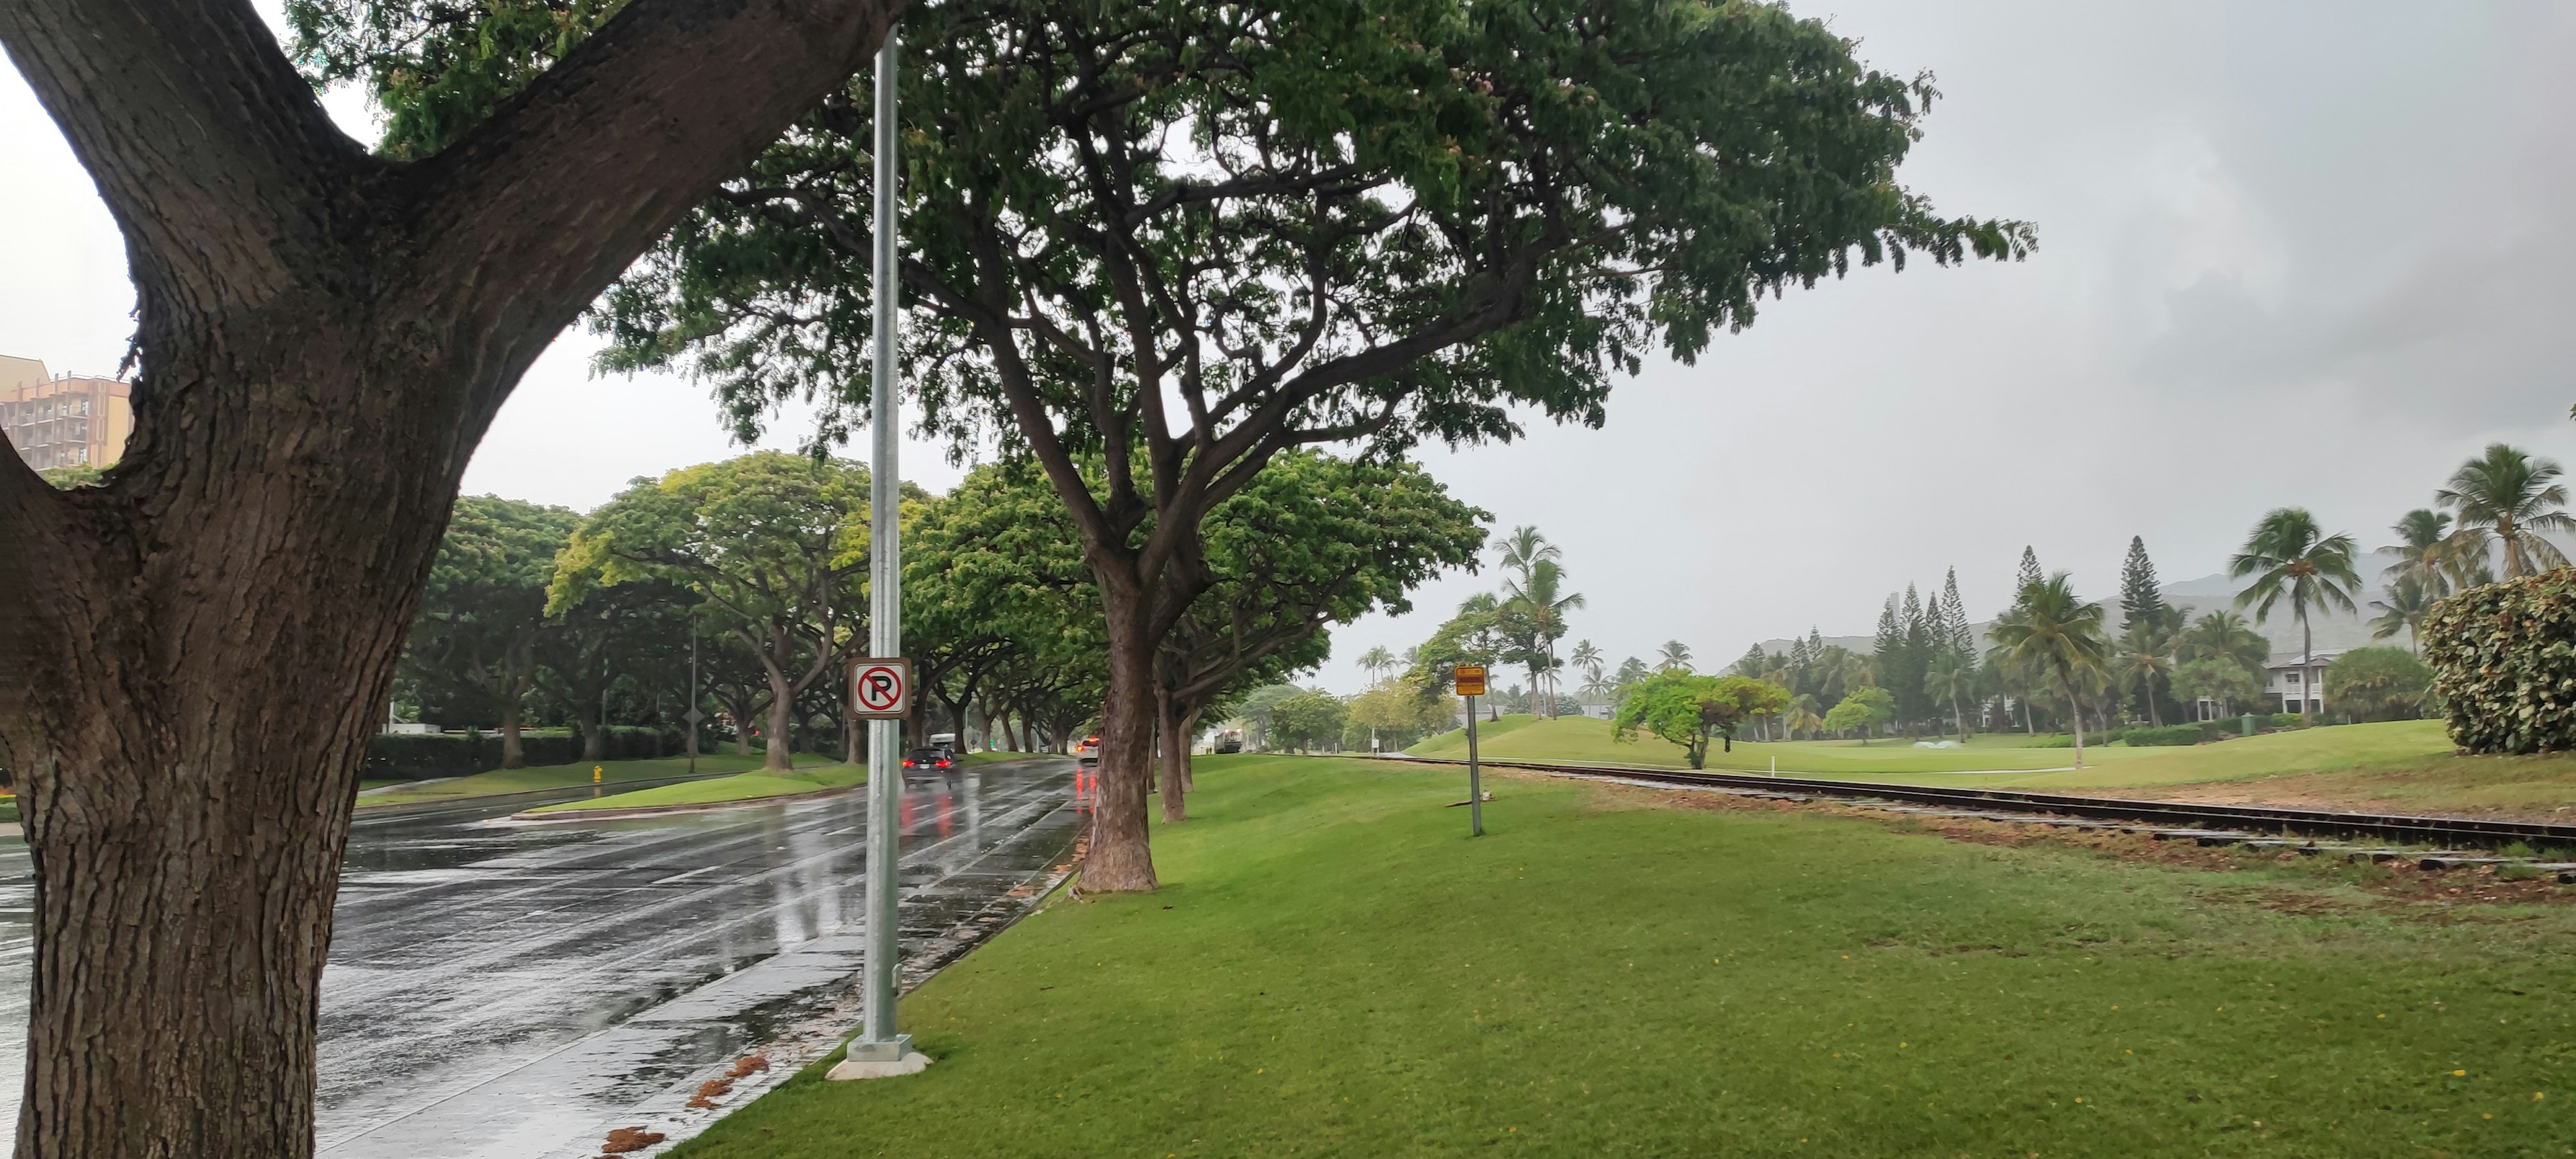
[2291,677]
[2288,679]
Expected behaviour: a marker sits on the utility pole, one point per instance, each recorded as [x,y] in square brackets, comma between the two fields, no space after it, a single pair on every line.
[1470,682]
[693,716]
[878,1050]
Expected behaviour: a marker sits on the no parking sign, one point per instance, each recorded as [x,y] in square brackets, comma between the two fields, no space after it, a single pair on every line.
[881,689]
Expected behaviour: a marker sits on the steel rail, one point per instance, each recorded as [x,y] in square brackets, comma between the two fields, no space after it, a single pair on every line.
[2475,831]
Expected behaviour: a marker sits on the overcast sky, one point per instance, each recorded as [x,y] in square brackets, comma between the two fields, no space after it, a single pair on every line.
[2290,254]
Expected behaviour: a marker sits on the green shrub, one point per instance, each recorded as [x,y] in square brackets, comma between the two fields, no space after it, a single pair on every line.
[2504,664]
[430,756]
[2377,684]
[2282,720]
[2172,734]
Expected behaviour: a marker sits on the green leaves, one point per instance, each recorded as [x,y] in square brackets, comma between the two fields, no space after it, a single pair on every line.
[2288,555]
[1688,709]
[1390,219]
[2503,659]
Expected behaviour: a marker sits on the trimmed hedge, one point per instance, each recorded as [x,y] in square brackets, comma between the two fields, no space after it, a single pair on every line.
[433,755]
[2170,735]
[2504,664]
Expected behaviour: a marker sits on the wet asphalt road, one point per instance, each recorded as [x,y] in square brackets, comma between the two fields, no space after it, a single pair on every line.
[506,989]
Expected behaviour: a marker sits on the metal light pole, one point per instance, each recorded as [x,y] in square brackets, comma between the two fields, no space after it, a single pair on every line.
[1475,783]
[877,1041]
[693,716]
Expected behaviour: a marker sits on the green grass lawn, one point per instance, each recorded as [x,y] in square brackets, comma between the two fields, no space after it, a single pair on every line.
[2402,766]
[1584,738]
[749,786]
[557,777]
[1335,968]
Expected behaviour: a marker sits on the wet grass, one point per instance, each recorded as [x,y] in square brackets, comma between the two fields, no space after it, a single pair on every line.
[1334,968]
[751,786]
[1580,738]
[2400,766]
[557,777]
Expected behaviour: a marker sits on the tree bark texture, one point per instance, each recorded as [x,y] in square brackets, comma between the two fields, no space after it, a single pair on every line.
[1120,858]
[324,337]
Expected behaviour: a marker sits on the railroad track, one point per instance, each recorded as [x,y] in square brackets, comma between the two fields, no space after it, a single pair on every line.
[2210,824]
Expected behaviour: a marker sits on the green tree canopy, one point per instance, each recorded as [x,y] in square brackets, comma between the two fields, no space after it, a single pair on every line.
[2289,557]
[1689,710]
[2377,684]
[2230,685]
[484,609]
[1863,709]
[1197,236]
[2508,498]
[1306,720]
[774,545]
[2050,630]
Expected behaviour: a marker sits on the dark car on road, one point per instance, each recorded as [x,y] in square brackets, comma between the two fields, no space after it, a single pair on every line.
[929,763]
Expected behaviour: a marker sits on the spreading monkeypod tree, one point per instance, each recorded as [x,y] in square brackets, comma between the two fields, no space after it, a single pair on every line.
[1182,240]
[1316,540]
[775,547]
[323,336]
[483,612]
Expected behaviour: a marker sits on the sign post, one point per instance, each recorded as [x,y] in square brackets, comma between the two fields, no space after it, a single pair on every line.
[881,688]
[1471,684]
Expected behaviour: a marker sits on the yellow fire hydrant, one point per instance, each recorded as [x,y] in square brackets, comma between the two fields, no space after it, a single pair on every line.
[596,772]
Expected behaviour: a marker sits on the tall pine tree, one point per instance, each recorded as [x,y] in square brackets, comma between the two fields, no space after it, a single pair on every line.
[2029,573]
[1954,620]
[2140,601]
[1920,637]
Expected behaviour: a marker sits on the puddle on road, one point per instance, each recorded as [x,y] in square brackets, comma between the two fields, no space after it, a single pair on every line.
[501,989]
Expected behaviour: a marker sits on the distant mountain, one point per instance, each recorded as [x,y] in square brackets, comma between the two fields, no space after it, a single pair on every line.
[2335,629]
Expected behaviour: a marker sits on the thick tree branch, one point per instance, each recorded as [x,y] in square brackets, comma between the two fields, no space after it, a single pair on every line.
[219,165]
[548,199]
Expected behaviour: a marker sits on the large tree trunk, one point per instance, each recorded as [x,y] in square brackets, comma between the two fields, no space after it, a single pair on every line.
[1175,758]
[779,751]
[514,750]
[1121,859]
[594,729]
[324,336]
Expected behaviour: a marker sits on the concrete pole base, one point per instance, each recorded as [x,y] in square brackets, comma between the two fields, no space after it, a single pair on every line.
[856,1068]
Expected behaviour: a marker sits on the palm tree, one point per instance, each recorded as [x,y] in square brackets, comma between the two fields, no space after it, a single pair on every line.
[2424,549]
[1803,718]
[1631,670]
[1950,677]
[2051,631]
[1587,658]
[2510,497]
[1524,548]
[1375,661]
[2409,601]
[1540,596]
[2289,556]
[2224,635]
[1675,656]
[2146,654]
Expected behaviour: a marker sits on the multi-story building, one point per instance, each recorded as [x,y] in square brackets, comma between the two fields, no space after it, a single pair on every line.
[2293,678]
[2290,680]
[67,421]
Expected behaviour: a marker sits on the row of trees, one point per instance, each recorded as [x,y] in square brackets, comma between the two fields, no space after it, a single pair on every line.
[2051,648]
[760,562]
[754,566]
[1156,248]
